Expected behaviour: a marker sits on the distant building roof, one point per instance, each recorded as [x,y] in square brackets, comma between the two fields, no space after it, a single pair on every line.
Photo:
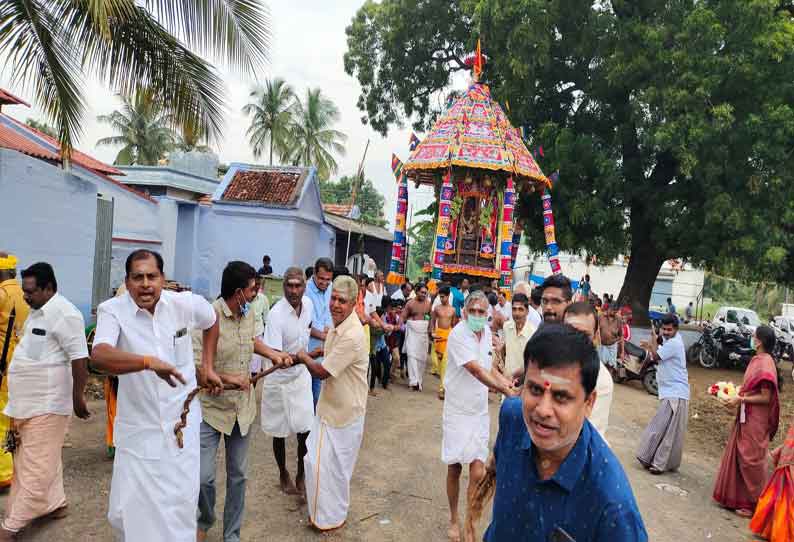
[12,139]
[270,186]
[170,177]
[339,209]
[346,224]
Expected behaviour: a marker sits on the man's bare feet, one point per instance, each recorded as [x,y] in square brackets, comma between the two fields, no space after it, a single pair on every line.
[300,485]
[201,536]
[453,532]
[469,535]
[286,485]
[372,393]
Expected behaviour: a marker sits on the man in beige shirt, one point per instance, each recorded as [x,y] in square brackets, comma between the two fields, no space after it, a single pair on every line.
[335,439]
[517,332]
[231,413]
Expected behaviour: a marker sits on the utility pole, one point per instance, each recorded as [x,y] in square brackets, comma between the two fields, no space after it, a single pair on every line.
[356,181]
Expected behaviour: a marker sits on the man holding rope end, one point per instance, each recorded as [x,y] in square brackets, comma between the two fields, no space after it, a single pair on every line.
[230,414]
[144,337]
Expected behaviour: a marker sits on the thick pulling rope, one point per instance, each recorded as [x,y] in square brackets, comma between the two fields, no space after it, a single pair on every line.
[182,423]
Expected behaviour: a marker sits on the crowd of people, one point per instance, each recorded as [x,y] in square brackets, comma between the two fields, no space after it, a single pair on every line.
[320,350]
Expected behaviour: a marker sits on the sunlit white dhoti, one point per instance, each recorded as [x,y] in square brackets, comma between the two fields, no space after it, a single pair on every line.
[154,489]
[330,459]
[287,402]
[465,437]
[416,348]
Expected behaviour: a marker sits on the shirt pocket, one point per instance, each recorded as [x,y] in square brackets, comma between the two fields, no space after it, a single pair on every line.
[34,344]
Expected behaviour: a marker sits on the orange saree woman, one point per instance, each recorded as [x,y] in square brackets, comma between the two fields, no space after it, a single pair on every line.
[774,515]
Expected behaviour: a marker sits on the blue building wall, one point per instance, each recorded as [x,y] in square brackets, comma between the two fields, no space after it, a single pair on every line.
[50,215]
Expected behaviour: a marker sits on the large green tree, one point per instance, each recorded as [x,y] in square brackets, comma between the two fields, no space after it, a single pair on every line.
[671,122]
[142,129]
[314,141]
[272,110]
[368,199]
[55,45]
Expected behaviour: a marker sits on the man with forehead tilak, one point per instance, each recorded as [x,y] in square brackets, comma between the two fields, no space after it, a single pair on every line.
[556,479]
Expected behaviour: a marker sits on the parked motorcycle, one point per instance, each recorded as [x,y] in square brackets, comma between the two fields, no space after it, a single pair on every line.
[636,364]
[718,347]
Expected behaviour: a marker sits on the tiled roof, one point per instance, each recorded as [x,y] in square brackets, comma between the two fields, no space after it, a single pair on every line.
[6,98]
[339,209]
[12,139]
[271,187]
[79,158]
[24,140]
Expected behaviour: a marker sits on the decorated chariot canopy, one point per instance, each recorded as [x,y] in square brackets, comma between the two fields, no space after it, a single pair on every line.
[475,134]
[477,163]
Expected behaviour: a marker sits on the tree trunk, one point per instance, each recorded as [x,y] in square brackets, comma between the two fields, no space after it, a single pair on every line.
[645,261]
[271,151]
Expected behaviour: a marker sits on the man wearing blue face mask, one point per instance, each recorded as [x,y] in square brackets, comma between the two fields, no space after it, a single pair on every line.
[231,414]
[466,423]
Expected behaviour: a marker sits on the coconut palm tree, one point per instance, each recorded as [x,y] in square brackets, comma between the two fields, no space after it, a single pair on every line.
[314,141]
[142,127]
[272,109]
[42,127]
[55,45]
[190,139]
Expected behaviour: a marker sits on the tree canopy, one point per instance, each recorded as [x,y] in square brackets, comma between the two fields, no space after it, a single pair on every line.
[142,130]
[272,111]
[368,199]
[671,122]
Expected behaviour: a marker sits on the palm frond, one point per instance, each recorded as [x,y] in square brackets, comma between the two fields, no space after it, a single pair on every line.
[41,56]
[236,31]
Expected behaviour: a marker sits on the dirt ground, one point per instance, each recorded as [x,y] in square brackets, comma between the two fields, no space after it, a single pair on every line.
[398,489]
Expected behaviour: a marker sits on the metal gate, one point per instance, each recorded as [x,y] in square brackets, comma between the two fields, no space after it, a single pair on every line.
[103,248]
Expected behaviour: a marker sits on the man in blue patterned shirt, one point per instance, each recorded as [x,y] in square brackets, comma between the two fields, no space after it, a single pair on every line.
[556,478]
[317,289]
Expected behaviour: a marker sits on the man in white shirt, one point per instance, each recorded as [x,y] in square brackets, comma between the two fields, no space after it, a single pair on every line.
[466,424]
[287,404]
[46,380]
[144,337]
[504,306]
[534,315]
[517,333]
[403,292]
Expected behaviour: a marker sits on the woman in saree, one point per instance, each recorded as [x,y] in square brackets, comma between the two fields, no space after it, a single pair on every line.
[774,515]
[743,471]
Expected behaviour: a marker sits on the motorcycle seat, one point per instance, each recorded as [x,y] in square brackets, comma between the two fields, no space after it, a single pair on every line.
[634,350]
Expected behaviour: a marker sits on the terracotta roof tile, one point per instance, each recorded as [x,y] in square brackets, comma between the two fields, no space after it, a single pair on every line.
[79,158]
[273,187]
[17,140]
[11,139]
[340,209]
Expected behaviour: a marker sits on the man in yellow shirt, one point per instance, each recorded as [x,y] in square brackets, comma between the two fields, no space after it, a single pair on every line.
[12,307]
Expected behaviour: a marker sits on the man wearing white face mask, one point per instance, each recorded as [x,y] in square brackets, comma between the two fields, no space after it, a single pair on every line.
[466,424]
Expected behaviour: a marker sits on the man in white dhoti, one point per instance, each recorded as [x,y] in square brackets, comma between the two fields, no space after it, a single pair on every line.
[338,428]
[466,424]
[287,405]
[144,337]
[416,316]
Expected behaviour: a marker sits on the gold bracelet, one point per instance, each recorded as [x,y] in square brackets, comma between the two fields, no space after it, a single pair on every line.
[147,363]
